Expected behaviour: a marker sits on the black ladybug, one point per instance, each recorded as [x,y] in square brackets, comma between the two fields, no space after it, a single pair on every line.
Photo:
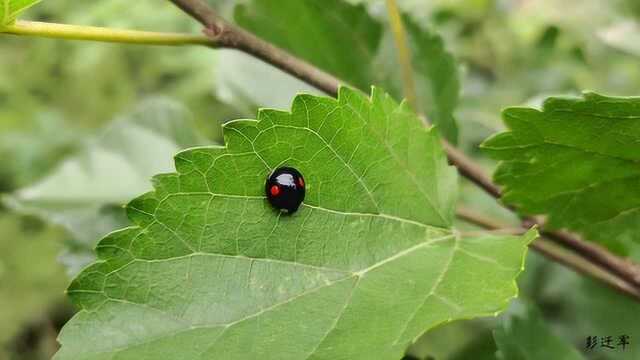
[285,189]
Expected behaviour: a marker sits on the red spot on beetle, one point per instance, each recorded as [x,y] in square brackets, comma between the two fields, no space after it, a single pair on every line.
[275,190]
[300,182]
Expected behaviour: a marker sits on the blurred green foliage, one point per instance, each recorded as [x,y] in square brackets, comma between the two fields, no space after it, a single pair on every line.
[32,282]
[82,193]
[85,84]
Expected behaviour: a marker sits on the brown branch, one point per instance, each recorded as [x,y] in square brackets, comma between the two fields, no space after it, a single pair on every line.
[626,269]
[581,265]
[481,220]
[556,253]
[231,36]
[470,169]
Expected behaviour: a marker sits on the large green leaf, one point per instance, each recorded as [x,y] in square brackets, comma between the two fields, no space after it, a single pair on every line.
[346,41]
[523,335]
[85,194]
[9,10]
[366,265]
[576,160]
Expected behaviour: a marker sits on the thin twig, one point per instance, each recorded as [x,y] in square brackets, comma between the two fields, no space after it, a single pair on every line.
[93,33]
[231,36]
[597,254]
[470,169]
[478,219]
[584,266]
[555,252]
[404,54]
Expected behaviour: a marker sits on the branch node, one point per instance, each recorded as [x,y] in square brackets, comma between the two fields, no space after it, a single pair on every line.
[212,30]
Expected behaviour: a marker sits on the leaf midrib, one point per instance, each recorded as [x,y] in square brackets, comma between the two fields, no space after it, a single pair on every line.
[334,211]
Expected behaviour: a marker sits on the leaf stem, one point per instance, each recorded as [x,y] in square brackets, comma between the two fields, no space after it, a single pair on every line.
[404,53]
[92,33]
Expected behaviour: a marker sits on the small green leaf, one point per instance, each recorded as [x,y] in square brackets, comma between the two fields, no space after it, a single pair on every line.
[523,335]
[576,160]
[436,72]
[366,265]
[10,9]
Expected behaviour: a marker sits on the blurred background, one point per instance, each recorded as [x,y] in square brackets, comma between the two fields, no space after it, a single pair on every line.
[83,127]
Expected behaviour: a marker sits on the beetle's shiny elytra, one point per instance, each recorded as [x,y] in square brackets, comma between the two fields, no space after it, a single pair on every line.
[285,189]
